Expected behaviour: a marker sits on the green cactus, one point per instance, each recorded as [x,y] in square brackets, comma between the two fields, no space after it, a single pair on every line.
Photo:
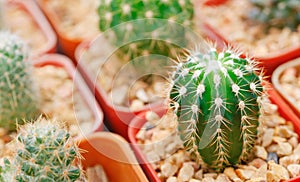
[46,152]
[276,13]
[215,96]
[18,98]
[151,26]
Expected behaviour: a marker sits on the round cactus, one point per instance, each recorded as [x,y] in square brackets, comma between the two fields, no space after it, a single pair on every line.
[276,13]
[18,98]
[215,96]
[46,152]
[146,27]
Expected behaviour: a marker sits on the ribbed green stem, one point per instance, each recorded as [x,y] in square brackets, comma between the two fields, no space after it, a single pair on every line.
[215,98]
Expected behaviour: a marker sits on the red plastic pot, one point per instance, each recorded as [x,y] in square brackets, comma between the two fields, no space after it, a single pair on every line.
[140,120]
[66,43]
[114,154]
[64,62]
[117,117]
[269,61]
[275,80]
[30,7]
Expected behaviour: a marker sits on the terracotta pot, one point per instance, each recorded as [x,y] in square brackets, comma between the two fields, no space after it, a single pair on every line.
[140,120]
[269,61]
[64,62]
[117,117]
[39,20]
[114,154]
[278,72]
[66,43]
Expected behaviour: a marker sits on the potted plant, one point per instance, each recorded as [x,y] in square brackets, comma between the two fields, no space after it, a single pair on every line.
[46,151]
[26,20]
[285,80]
[46,88]
[73,21]
[219,125]
[127,71]
[267,30]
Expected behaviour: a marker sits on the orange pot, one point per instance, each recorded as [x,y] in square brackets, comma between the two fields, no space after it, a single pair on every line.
[114,154]
[140,120]
[275,80]
[39,22]
[67,43]
[64,62]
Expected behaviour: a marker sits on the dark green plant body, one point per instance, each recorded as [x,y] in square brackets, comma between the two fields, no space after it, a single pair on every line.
[276,13]
[147,27]
[215,97]
[45,153]
[18,99]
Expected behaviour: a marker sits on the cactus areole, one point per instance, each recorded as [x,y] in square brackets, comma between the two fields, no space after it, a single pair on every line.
[216,99]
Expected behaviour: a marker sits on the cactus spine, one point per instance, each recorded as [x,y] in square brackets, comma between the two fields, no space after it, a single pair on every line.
[18,99]
[216,99]
[45,152]
[276,13]
[153,17]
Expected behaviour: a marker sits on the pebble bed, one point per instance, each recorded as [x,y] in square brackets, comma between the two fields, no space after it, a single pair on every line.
[276,155]
[76,16]
[22,23]
[120,80]
[290,83]
[234,25]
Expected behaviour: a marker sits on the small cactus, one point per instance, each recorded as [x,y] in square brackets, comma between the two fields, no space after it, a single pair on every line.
[215,96]
[152,26]
[18,98]
[276,13]
[46,152]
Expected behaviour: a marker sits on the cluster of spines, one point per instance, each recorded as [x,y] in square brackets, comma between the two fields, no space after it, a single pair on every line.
[17,94]
[143,29]
[45,152]
[276,13]
[215,96]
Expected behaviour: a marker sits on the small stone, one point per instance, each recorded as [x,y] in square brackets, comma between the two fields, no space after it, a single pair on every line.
[272,148]
[287,160]
[261,152]
[283,131]
[293,141]
[222,178]
[172,179]
[142,95]
[151,116]
[96,173]
[270,108]
[212,175]
[118,95]
[267,137]
[194,180]
[257,180]
[136,105]
[141,135]
[278,170]
[297,149]
[278,139]
[272,156]
[186,172]
[208,179]
[284,149]
[272,177]
[258,162]
[230,173]
[244,174]
[261,172]
[294,170]
[199,174]
[168,169]
[152,156]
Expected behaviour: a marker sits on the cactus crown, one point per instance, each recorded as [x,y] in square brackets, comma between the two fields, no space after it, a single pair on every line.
[46,153]
[276,13]
[153,32]
[215,97]
[17,96]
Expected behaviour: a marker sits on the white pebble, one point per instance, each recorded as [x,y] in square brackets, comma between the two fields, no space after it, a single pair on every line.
[186,172]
